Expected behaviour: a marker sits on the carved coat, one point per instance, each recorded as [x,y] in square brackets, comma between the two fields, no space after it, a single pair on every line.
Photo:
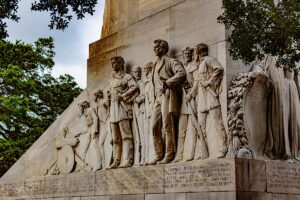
[121,84]
[191,70]
[173,73]
[209,70]
[149,97]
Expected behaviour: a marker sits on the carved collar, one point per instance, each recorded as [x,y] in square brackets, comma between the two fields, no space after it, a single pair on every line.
[118,75]
[161,59]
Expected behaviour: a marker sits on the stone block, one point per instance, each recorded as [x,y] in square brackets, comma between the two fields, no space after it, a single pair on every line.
[211,196]
[253,196]
[148,8]
[95,198]
[169,196]
[135,180]
[79,184]
[251,175]
[176,196]
[285,197]
[12,190]
[127,197]
[283,177]
[198,176]
[33,188]
[155,197]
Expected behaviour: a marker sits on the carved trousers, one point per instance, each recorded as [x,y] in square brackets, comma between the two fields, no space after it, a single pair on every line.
[103,132]
[212,124]
[162,128]
[187,139]
[122,140]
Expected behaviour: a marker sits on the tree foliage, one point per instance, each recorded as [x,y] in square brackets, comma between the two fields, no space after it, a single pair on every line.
[61,12]
[8,10]
[30,98]
[261,27]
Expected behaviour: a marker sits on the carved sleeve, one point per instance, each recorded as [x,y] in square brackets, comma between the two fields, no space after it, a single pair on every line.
[194,89]
[217,70]
[132,87]
[179,73]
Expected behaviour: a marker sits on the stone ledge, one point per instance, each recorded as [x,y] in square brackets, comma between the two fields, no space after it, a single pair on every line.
[208,176]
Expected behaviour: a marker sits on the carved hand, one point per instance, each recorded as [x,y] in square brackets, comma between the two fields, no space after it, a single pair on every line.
[205,83]
[188,97]
[107,103]
[119,97]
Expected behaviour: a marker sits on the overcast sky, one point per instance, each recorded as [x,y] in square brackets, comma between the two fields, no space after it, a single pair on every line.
[71,45]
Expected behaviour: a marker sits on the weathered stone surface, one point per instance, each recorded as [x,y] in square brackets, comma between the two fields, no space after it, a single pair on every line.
[127,197]
[79,184]
[254,196]
[283,177]
[135,180]
[96,198]
[211,196]
[198,176]
[11,190]
[225,179]
[169,196]
[251,175]
[285,196]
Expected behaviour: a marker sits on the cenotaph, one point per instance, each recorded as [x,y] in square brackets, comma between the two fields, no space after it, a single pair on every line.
[168,115]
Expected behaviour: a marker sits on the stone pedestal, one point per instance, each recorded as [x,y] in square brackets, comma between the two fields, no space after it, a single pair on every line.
[222,179]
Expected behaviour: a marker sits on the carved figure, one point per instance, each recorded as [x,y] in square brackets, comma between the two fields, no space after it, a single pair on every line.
[207,86]
[65,154]
[102,109]
[122,89]
[186,125]
[149,100]
[88,139]
[292,117]
[168,74]
[297,78]
[138,118]
[283,121]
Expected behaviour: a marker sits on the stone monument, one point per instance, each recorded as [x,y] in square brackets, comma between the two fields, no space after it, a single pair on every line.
[167,114]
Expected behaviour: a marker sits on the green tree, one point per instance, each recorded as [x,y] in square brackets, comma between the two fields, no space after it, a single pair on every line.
[261,27]
[30,98]
[61,11]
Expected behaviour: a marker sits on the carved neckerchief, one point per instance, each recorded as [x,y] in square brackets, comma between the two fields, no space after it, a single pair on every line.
[118,75]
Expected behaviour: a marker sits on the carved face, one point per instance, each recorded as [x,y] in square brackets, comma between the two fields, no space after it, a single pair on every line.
[187,56]
[99,94]
[137,73]
[159,50]
[116,66]
[148,68]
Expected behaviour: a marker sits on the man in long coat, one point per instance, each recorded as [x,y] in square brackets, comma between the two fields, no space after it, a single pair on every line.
[168,74]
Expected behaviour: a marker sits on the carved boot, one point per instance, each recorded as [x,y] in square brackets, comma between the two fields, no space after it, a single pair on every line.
[127,154]
[117,151]
[180,147]
[115,164]
[158,148]
[168,158]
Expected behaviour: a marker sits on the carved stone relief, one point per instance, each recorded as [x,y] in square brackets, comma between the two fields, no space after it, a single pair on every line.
[167,111]
[263,119]
[207,88]
[247,95]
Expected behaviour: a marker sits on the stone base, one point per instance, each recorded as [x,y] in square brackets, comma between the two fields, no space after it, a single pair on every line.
[224,179]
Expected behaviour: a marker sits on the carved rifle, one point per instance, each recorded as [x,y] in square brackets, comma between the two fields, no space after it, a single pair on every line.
[201,137]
